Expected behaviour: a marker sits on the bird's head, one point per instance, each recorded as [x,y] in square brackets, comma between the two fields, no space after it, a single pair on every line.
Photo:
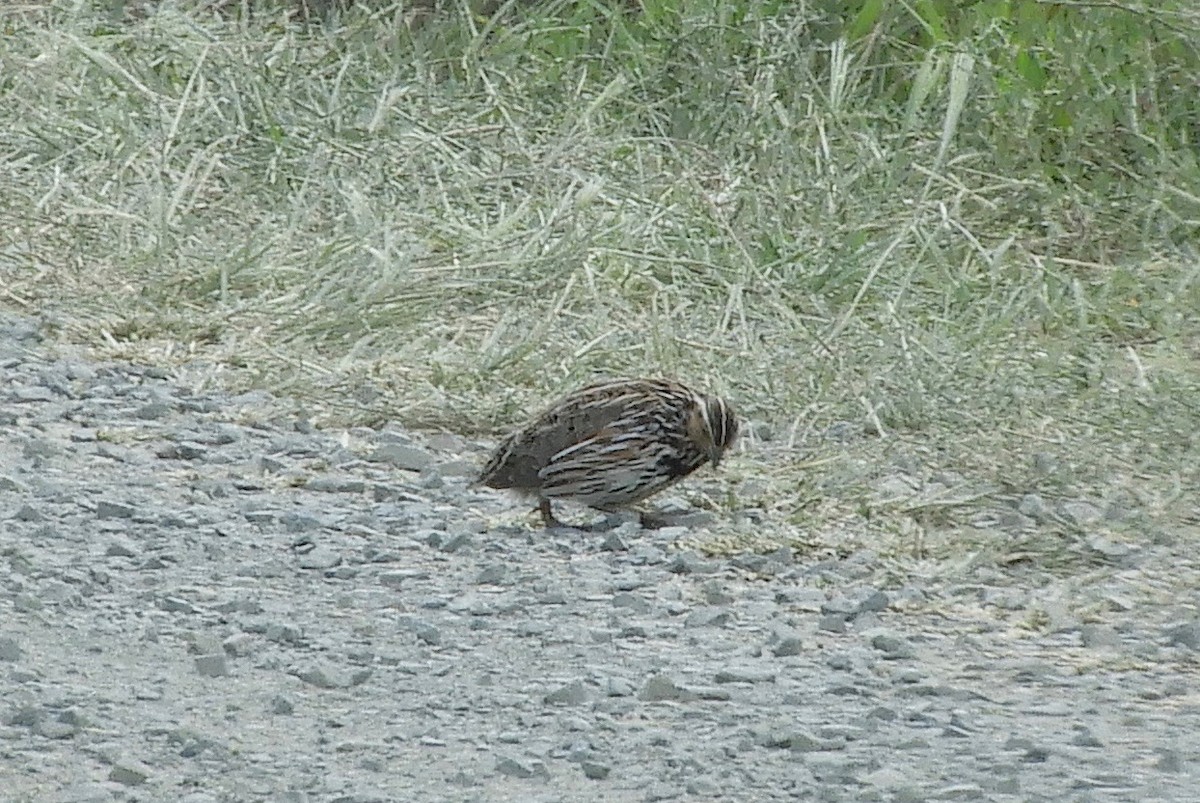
[714,427]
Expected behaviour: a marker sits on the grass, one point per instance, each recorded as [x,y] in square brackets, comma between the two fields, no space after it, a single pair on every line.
[965,237]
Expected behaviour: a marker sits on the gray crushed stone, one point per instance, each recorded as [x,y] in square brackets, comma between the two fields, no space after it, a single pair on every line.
[201,609]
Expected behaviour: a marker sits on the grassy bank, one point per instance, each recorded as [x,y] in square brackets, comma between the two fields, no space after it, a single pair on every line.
[964,237]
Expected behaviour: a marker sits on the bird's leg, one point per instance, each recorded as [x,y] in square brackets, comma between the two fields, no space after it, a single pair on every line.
[548,514]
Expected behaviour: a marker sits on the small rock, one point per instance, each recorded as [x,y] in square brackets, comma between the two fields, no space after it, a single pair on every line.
[573,693]
[661,687]
[744,675]
[121,548]
[520,769]
[958,727]
[962,791]
[325,677]
[425,631]
[396,579]
[271,465]
[614,543]
[153,411]
[106,509]
[129,773]
[832,623]
[189,450]
[594,770]
[57,729]
[788,737]
[750,561]
[1033,506]
[211,666]
[631,601]
[283,633]
[239,645]
[1081,514]
[840,661]
[896,487]
[320,559]
[1036,755]
[176,605]
[28,513]
[492,575]
[299,522]
[708,617]
[1085,738]
[1094,636]
[1107,548]
[456,468]
[854,604]
[787,646]
[689,563]
[32,394]
[458,542]
[715,593]
[9,649]
[88,793]
[336,485]
[619,687]
[843,431]
[9,484]
[703,787]
[1012,521]
[1185,635]
[1168,760]
[892,646]
[398,455]
[203,643]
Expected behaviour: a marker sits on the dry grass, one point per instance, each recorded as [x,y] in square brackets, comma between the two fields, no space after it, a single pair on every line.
[444,227]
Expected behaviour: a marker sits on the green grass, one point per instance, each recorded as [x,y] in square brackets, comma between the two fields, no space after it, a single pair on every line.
[968,231]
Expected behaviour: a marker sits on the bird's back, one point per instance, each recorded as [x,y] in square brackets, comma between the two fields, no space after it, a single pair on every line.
[583,415]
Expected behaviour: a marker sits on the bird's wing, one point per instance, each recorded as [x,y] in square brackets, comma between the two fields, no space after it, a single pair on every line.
[519,459]
[614,467]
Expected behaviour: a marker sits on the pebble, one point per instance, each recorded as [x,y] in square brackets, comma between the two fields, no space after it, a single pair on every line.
[319,558]
[401,456]
[211,666]
[1185,635]
[661,687]
[106,509]
[129,773]
[1034,507]
[9,649]
[573,693]
[891,645]
[1094,636]
[788,646]
[515,768]
[745,675]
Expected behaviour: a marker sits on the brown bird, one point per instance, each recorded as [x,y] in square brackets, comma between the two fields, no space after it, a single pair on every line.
[612,444]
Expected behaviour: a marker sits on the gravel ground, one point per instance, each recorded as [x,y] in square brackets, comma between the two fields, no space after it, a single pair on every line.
[201,602]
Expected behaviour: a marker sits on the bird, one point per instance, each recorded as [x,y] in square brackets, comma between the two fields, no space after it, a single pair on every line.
[612,444]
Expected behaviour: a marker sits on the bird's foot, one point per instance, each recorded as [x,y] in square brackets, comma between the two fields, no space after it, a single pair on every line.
[652,521]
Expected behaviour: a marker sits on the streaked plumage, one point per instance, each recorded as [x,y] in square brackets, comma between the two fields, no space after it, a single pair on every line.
[612,444]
